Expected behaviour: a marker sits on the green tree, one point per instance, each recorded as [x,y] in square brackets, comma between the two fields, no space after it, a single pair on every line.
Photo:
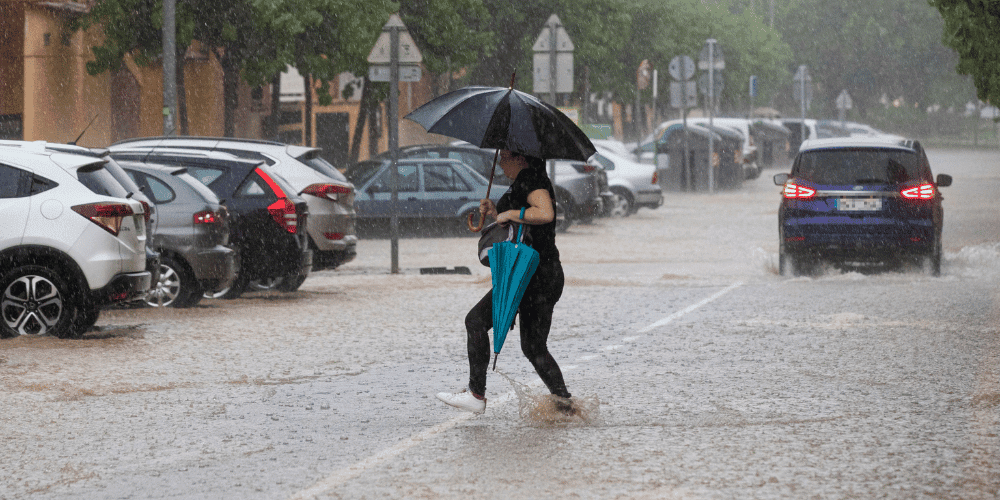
[971,28]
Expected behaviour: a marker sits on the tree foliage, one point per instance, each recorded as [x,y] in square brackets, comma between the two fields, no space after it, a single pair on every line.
[972,28]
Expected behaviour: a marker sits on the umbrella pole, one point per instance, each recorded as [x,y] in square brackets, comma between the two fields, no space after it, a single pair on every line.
[495,356]
[482,215]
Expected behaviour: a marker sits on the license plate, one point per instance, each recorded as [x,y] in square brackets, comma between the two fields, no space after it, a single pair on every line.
[859,204]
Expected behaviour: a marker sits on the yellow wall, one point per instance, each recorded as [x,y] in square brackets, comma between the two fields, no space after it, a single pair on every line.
[11,62]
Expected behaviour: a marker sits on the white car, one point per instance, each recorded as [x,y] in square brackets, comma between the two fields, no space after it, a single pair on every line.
[633,184]
[329,195]
[65,250]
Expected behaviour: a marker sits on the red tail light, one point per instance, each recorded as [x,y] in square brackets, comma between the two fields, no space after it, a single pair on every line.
[146,211]
[921,192]
[797,191]
[656,178]
[283,212]
[107,215]
[280,193]
[207,217]
[330,191]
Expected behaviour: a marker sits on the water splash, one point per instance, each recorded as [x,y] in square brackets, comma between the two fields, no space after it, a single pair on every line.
[547,409]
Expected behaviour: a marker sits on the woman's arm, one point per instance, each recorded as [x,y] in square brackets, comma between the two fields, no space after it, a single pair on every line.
[540,210]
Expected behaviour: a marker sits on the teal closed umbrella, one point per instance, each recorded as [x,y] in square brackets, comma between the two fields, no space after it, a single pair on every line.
[512,264]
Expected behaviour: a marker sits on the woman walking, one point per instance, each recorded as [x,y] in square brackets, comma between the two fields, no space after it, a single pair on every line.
[532,190]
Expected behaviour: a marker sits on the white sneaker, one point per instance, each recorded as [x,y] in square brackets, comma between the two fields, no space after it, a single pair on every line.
[463,400]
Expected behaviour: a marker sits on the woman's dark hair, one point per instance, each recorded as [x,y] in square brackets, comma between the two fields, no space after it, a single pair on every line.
[532,161]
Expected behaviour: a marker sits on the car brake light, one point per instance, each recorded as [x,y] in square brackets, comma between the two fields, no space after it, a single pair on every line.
[280,193]
[656,178]
[330,191]
[207,217]
[283,212]
[796,191]
[107,215]
[921,192]
[146,211]
[334,236]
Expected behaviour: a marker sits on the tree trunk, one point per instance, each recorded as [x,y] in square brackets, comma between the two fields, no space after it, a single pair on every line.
[274,119]
[230,97]
[359,126]
[182,115]
[307,132]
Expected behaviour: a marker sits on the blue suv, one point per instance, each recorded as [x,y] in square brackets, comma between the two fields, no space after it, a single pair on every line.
[860,202]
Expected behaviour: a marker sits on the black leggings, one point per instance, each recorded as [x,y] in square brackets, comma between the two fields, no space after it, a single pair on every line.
[535,317]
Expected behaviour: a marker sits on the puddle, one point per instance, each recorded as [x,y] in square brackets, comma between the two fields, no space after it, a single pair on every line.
[543,409]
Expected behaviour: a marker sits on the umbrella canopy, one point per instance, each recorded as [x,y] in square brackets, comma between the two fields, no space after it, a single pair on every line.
[512,264]
[504,118]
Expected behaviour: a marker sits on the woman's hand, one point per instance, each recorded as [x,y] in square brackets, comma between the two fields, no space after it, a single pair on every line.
[487,208]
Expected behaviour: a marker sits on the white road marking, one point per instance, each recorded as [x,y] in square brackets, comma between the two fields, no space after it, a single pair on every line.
[346,474]
[691,308]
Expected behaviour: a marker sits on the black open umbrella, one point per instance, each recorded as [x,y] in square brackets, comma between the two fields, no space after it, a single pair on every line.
[504,118]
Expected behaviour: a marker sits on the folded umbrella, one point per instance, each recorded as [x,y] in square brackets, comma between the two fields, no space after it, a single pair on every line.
[512,264]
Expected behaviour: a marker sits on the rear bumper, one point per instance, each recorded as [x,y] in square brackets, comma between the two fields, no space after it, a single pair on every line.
[214,268]
[649,199]
[860,241]
[123,288]
[331,259]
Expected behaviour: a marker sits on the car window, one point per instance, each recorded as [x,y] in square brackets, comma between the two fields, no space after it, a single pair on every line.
[254,187]
[159,192]
[324,167]
[12,182]
[438,178]
[858,166]
[205,175]
[409,180]
[100,181]
[360,173]
[604,161]
[476,161]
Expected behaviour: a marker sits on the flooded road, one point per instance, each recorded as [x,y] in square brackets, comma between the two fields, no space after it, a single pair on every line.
[703,374]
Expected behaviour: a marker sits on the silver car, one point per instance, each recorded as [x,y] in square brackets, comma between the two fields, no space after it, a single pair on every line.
[329,195]
[633,184]
[191,232]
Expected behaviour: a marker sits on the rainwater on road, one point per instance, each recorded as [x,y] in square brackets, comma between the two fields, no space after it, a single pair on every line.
[700,373]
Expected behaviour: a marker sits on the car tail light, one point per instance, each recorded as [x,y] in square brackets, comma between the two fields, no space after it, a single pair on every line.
[207,217]
[107,215]
[283,212]
[146,211]
[333,236]
[656,177]
[796,191]
[921,192]
[330,191]
[280,193]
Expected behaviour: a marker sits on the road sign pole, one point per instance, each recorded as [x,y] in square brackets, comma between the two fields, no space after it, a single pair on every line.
[394,143]
[711,114]
[553,27]
[802,73]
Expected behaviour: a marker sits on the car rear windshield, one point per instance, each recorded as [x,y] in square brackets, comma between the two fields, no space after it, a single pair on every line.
[100,181]
[322,166]
[858,166]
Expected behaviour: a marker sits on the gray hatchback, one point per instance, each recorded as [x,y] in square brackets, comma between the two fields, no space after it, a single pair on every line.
[191,232]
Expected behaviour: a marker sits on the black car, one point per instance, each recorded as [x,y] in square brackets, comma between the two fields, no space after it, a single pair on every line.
[860,202]
[267,219]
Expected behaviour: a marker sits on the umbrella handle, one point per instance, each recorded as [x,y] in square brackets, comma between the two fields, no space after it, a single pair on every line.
[495,356]
[472,227]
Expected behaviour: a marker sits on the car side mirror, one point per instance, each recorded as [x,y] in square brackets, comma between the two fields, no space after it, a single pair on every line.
[943,180]
[780,179]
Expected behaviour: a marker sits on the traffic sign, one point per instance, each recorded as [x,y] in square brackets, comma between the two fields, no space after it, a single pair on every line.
[717,85]
[553,59]
[683,94]
[753,86]
[544,41]
[408,51]
[681,68]
[407,73]
[844,100]
[712,51]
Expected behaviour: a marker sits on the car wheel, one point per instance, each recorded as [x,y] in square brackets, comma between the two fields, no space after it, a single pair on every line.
[932,262]
[86,317]
[266,284]
[621,203]
[290,283]
[36,301]
[234,291]
[177,286]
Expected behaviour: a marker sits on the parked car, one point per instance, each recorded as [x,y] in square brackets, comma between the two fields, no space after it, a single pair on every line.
[331,232]
[748,153]
[859,201]
[429,189]
[132,191]
[191,232]
[635,185]
[862,130]
[581,188]
[802,130]
[65,250]
[267,220]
